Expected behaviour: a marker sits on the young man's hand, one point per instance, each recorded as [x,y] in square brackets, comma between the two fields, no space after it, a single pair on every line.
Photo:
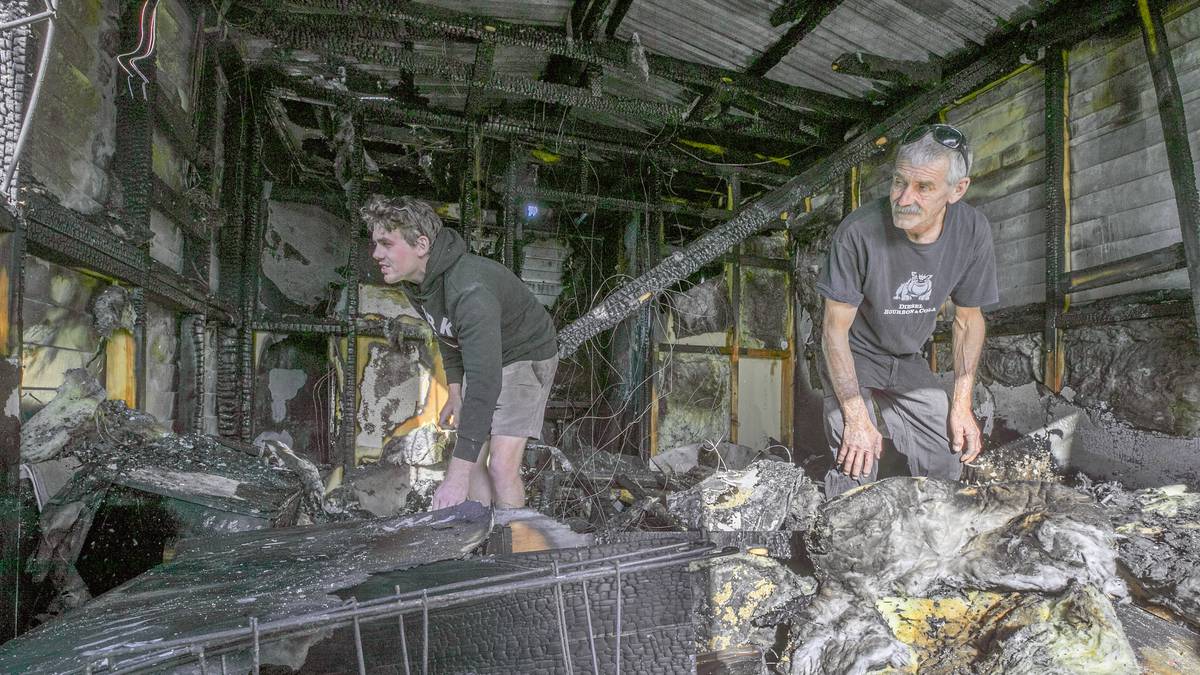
[453,490]
[452,408]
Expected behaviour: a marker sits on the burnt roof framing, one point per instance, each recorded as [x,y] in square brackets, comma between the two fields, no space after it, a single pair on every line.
[415,21]
[512,127]
[367,52]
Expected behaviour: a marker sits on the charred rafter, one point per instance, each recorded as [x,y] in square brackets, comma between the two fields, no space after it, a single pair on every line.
[578,134]
[875,67]
[815,13]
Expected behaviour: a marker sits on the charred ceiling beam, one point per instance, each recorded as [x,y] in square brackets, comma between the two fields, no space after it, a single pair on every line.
[577,134]
[481,73]
[588,202]
[412,20]
[875,67]
[814,13]
[1066,22]
[617,16]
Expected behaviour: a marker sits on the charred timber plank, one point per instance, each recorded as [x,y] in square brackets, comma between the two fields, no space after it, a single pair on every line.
[179,126]
[589,201]
[1026,319]
[617,16]
[767,211]
[1174,124]
[177,209]
[1058,213]
[875,67]
[813,15]
[1164,259]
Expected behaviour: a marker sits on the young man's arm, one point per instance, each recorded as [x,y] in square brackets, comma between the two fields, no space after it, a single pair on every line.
[862,444]
[476,317]
[970,329]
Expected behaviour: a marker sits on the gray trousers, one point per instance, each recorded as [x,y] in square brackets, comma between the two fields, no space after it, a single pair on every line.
[916,410]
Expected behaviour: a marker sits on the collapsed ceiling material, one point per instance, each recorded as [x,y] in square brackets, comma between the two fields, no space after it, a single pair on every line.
[255,586]
[82,452]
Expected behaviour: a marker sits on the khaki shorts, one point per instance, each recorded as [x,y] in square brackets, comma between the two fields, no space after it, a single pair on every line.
[524,392]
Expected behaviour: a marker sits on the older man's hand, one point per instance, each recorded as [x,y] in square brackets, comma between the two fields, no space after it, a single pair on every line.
[862,445]
[965,437]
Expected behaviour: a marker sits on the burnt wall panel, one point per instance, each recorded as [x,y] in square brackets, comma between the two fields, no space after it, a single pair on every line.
[59,333]
[1006,128]
[293,388]
[1122,200]
[175,47]
[72,140]
[305,249]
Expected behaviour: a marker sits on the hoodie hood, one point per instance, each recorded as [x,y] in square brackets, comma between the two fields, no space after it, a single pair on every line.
[447,249]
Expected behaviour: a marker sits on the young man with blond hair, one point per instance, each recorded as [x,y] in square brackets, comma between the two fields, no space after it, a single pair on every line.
[497,342]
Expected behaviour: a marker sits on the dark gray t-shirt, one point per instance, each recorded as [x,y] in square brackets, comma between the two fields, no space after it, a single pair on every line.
[898,285]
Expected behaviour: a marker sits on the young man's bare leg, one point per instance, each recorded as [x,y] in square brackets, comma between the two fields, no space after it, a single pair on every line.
[480,489]
[504,468]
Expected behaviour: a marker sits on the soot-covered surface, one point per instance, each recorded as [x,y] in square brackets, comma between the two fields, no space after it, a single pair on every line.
[221,582]
[1160,543]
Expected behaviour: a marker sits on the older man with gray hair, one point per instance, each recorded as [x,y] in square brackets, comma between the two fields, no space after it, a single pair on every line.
[891,265]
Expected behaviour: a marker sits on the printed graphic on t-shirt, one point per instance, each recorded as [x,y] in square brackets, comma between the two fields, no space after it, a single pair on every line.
[914,291]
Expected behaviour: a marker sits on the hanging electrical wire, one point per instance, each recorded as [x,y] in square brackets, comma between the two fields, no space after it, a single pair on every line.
[147,36]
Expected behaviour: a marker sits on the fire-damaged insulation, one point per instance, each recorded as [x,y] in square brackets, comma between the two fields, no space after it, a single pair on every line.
[1159,545]
[935,540]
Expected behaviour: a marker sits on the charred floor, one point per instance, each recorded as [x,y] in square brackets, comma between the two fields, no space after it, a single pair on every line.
[222,436]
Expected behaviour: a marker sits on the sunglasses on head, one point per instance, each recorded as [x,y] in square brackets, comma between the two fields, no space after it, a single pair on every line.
[944,134]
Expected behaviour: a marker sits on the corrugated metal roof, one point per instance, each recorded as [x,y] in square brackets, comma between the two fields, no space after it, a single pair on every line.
[733,33]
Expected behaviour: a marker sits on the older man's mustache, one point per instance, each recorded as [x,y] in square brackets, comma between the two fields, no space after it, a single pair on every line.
[910,210]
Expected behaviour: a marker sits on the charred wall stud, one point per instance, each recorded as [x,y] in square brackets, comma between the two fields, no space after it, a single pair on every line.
[351,148]
[1058,214]
[256,194]
[1174,125]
